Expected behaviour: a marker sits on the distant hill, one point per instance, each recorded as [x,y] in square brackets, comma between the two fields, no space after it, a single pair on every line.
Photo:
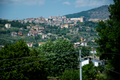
[99,13]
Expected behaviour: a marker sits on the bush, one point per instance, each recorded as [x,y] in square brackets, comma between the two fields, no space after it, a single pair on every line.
[70,74]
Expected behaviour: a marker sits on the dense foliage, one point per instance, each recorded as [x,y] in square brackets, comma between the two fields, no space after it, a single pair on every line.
[19,69]
[64,56]
[88,72]
[109,40]
[85,51]
[70,74]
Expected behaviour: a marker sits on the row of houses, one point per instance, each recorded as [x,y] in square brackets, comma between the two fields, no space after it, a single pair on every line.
[15,33]
[82,43]
[53,20]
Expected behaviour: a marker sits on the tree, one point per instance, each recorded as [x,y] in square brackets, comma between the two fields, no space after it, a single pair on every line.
[109,40]
[70,74]
[28,71]
[85,51]
[88,72]
[59,50]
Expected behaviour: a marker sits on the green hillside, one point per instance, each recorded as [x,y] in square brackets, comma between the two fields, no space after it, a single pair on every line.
[99,13]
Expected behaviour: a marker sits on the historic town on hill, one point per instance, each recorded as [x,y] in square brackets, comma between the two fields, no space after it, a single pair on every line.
[62,22]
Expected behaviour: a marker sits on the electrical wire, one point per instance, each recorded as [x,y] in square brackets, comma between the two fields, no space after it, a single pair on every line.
[111,53]
[111,70]
[31,57]
[36,61]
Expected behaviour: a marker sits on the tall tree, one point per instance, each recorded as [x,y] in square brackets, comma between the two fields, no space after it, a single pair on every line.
[60,48]
[109,33]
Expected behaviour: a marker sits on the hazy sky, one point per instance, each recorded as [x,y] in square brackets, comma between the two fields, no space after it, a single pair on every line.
[22,9]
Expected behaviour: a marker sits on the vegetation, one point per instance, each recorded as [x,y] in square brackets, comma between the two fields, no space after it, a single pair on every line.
[59,50]
[13,24]
[85,51]
[14,69]
[99,13]
[109,40]
[70,74]
[61,59]
[88,72]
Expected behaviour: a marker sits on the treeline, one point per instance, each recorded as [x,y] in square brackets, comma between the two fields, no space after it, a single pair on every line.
[58,59]
[24,68]
[13,24]
[89,23]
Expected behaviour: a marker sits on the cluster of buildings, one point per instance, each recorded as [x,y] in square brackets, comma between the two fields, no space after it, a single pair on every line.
[34,31]
[53,20]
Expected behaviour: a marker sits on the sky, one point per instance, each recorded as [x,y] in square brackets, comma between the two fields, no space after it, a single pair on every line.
[23,9]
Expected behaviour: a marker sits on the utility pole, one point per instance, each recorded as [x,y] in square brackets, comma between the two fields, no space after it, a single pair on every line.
[80,64]
[93,58]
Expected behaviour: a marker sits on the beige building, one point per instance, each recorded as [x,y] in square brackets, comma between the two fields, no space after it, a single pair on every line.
[81,19]
[41,43]
[30,44]
[66,26]
[8,25]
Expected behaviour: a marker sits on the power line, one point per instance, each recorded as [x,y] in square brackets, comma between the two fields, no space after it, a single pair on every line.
[111,53]
[111,70]
[37,61]
[32,57]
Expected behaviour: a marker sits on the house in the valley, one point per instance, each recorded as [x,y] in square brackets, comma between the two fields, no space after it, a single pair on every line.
[49,34]
[29,34]
[41,28]
[36,28]
[29,44]
[41,43]
[93,51]
[39,32]
[8,25]
[82,39]
[65,26]
[44,36]
[77,43]
[20,33]
[83,44]
[14,34]
[28,27]
[95,62]
[35,33]
[21,28]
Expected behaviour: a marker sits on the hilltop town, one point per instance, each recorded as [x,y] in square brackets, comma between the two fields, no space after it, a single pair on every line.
[57,20]
[36,31]
[53,20]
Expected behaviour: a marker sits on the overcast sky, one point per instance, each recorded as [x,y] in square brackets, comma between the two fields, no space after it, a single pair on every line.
[22,9]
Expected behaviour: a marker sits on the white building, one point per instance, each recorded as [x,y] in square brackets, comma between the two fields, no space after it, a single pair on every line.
[77,43]
[93,51]
[95,62]
[84,62]
[8,25]
[44,36]
[81,19]
[83,44]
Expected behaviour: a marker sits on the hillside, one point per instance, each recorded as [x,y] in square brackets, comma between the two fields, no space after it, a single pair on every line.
[99,13]
[35,33]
